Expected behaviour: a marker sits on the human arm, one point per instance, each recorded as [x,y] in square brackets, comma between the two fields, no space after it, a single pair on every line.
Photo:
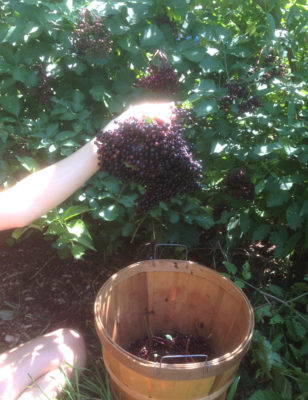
[43,190]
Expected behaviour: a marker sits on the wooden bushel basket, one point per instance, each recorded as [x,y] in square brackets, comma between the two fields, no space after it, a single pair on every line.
[174,296]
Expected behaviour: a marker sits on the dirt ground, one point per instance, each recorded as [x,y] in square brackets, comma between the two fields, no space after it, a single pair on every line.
[40,292]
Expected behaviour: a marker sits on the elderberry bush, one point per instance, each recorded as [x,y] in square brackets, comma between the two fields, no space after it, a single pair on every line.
[152,154]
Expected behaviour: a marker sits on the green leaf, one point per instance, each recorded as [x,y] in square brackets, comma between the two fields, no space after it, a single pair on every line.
[211,64]
[205,107]
[233,388]
[11,104]
[239,51]
[128,229]
[112,185]
[18,232]
[64,135]
[117,26]
[128,200]
[73,211]
[246,274]
[271,23]
[293,216]
[264,395]
[277,319]
[260,186]
[205,222]
[304,208]
[109,213]
[194,54]
[29,163]
[279,239]
[174,216]
[77,250]
[244,222]
[291,112]
[206,86]
[231,268]
[78,229]
[296,331]
[277,198]
[152,37]
[98,92]
[261,232]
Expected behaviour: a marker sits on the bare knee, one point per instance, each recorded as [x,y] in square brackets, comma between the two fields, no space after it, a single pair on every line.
[71,344]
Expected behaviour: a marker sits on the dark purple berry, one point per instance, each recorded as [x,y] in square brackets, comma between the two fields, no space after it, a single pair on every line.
[151,154]
[91,37]
[239,184]
[161,78]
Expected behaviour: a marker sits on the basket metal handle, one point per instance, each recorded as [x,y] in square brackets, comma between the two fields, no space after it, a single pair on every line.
[170,244]
[206,363]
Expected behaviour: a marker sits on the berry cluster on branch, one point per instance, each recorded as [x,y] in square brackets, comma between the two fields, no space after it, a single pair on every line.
[273,67]
[160,77]
[152,154]
[240,93]
[91,37]
[239,184]
[43,88]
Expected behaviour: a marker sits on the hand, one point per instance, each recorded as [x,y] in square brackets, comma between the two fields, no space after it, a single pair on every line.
[161,112]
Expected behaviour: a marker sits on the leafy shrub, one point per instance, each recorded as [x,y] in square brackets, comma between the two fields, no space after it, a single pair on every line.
[278,353]
[242,68]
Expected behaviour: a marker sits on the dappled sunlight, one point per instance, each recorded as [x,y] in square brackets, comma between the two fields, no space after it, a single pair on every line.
[45,361]
[35,353]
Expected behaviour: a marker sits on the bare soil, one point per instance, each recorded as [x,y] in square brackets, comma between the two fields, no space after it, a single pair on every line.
[40,292]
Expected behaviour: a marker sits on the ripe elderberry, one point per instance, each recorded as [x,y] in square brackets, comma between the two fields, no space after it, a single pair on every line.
[43,88]
[273,67]
[239,92]
[239,184]
[151,154]
[160,78]
[91,37]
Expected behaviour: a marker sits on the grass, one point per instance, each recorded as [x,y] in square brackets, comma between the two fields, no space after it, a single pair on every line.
[92,384]
[89,384]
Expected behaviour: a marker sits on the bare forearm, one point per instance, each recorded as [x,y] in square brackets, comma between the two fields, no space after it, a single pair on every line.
[43,190]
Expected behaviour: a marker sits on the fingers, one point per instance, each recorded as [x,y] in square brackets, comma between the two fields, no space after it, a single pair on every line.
[161,112]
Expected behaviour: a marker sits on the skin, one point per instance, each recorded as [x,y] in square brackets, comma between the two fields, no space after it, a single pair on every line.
[43,190]
[43,364]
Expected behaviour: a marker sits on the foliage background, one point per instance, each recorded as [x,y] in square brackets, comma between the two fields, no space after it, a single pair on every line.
[209,43]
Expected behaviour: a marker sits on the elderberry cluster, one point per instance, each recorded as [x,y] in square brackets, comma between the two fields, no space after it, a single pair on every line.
[273,67]
[152,154]
[91,37]
[43,88]
[160,78]
[240,185]
[240,93]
